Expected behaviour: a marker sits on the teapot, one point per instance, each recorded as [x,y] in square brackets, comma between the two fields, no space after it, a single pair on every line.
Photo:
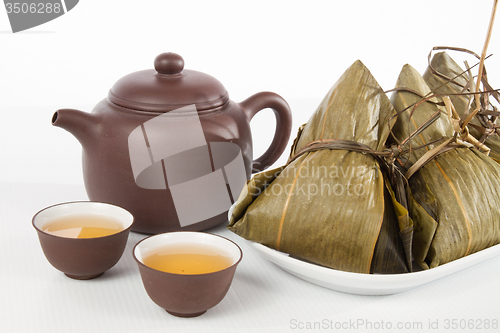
[168,145]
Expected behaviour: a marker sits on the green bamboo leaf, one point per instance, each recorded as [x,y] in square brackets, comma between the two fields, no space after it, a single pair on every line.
[332,207]
[453,82]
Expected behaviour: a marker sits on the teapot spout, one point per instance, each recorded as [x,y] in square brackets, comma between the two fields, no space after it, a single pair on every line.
[81,124]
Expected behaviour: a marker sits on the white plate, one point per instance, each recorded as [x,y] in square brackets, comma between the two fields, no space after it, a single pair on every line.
[369,284]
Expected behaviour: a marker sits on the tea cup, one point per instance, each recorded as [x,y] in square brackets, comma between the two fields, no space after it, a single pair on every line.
[86,257]
[187,293]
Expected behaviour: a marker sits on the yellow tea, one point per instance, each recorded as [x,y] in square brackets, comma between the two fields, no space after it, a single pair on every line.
[83,226]
[194,259]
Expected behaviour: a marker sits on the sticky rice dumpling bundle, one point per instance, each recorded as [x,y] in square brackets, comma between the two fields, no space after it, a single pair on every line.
[445,76]
[331,207]
[455,205]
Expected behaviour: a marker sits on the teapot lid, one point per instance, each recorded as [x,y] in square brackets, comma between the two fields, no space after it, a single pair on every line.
[168,87]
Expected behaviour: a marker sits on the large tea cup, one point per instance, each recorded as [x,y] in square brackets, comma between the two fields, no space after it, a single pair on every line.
[181,294]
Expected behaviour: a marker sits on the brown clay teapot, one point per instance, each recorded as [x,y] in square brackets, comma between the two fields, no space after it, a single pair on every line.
[169,145]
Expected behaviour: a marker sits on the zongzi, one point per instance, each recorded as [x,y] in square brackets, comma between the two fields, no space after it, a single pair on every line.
[455,202]
[332,207]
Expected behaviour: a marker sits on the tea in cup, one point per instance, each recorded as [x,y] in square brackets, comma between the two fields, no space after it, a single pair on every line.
[187,272]
[83,239]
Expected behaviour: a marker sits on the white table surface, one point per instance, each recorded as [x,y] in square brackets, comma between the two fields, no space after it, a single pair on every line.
[262,298]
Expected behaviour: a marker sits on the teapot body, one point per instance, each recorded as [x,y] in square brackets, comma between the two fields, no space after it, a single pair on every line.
[168,145]
[108,173]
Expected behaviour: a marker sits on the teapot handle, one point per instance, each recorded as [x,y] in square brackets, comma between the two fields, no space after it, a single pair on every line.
[262,100]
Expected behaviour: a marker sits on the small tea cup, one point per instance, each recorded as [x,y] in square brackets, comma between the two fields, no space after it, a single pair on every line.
[182,294]
[83,258]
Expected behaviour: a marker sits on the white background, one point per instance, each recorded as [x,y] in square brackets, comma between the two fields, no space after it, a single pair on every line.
[297,49]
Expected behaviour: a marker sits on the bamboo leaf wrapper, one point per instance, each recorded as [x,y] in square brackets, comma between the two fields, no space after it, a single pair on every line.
[456,196]
[331,207]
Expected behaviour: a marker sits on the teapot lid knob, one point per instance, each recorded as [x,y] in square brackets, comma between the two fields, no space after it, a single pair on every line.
[169,63]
